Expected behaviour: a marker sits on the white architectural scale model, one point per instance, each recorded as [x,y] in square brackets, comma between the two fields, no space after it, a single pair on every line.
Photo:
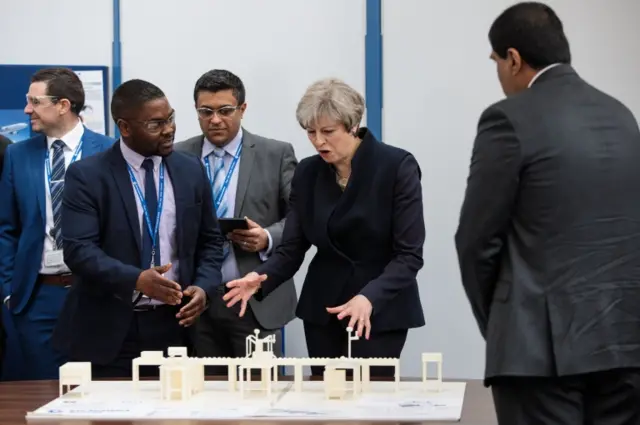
[182,376]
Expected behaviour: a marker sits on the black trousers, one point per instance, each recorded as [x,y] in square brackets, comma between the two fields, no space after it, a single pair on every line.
[221,332]
[602,398]
[331,340]
[151,330]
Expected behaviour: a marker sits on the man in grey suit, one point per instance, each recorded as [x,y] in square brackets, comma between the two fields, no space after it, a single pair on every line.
[549,235]
[250,177]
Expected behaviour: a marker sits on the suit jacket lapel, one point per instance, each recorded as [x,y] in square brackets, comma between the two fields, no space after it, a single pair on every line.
[327,195]
[37,166]
[123,181]
[90,143]
[195,146]
[178,180]
[244,172]
[331,202]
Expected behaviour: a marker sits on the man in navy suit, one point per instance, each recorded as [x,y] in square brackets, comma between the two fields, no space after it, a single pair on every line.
[141,238]
[33,276]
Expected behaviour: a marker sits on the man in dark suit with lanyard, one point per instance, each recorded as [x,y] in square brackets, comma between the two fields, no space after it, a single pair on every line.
[33,276]
[141,237]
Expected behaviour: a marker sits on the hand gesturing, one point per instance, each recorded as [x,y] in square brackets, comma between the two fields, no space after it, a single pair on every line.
[359,308]
[243,289]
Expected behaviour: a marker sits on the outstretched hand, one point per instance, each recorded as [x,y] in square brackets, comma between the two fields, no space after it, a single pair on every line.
[153,284]
[243,289]
[359,308]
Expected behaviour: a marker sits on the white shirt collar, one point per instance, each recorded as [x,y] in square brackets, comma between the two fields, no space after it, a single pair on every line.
[231,148]
[134,159]
[542,71]
[71,139]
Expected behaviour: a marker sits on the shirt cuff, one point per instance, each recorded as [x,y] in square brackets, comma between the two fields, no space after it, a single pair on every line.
[264,254]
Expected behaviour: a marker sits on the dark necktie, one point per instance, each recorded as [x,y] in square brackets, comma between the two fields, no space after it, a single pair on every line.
[151,199]
[57,186]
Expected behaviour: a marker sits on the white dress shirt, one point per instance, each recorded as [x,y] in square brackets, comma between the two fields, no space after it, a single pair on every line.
[542,71]
[167,229]
[71,141]
[230,269]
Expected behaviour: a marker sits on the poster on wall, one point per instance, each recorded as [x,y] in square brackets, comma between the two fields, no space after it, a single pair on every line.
[14,85]
[93,114]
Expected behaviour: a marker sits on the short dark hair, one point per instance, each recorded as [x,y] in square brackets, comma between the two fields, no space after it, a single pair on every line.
[62,83]
[535,31]
[217,80]
[132,95]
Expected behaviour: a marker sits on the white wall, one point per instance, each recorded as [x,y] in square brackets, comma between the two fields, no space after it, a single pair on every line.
[437,80]
[47,32]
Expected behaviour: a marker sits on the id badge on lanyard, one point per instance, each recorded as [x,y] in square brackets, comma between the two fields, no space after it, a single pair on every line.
[55,258]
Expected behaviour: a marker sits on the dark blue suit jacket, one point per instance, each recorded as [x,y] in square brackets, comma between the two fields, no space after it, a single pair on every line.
[22,213]
[369,239]
[102,244]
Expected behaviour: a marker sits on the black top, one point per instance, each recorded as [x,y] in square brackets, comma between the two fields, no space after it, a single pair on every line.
[369,238]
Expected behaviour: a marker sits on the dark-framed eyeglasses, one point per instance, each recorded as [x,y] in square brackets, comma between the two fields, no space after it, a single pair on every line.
[156,126]
[224,111]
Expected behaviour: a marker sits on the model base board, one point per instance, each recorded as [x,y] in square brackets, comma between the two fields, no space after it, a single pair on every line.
[120,400]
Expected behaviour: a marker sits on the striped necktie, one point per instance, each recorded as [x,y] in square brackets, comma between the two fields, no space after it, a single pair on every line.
[57,186]
[219,177]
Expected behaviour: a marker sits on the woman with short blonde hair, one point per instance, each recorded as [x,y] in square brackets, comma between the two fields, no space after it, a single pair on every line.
[333,99]
[359,202]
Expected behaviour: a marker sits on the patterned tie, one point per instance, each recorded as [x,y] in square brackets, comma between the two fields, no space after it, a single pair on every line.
[151,199]
[57,186]
[219,176]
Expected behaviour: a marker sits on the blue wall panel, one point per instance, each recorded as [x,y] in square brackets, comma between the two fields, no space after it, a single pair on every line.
[373,67]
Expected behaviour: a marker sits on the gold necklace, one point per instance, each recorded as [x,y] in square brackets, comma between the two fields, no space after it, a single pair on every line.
[342,181]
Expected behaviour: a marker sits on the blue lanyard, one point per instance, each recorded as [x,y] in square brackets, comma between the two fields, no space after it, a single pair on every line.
[153,232]
[227,179]
[47,162]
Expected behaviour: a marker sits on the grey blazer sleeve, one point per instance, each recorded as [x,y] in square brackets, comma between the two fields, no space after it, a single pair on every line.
[287,167]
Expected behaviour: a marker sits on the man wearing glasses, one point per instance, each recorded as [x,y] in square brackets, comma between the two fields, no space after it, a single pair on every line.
[34,278]
[250,177]
[142,238]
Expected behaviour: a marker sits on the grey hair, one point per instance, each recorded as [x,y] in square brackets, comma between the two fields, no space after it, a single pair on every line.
[330,98]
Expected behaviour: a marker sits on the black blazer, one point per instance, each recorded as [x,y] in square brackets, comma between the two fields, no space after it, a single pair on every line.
[549,234]
[369,239]
[102,243]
